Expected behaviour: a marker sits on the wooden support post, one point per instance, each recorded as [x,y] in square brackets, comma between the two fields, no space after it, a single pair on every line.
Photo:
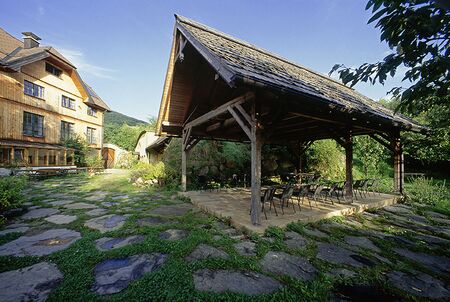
[184,139]
[11,155]
[25,157]
[65,157]
[256,146]
[348,166]
[36,157]
[46,159]
[398,164]
[57,157]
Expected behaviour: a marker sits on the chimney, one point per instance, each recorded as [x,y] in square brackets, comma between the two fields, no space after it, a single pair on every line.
[30,40]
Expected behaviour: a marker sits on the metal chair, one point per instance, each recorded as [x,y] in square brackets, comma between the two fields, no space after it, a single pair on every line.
[285,197]
[302,192]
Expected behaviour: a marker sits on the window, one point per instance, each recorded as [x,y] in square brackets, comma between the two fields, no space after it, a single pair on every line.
[68,102]
[18,154]
[53,70]
[5,155]
[33,124]
[52,159]
[66,130]
[90,135]
[33,89]
[91,111]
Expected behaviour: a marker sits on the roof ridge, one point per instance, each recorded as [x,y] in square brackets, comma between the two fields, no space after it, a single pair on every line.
[253,46]
[20,41]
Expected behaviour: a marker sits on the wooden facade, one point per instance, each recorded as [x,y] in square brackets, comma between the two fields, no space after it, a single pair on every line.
[46,149]
[219,87]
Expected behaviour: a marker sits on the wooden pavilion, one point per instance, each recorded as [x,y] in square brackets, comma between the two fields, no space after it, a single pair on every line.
[222,88]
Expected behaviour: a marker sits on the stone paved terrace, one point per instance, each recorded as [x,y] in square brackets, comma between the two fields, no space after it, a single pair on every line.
[234,204]
[102,239]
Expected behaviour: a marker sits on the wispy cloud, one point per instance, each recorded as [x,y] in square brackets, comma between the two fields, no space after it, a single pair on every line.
[41,10]
[78,59]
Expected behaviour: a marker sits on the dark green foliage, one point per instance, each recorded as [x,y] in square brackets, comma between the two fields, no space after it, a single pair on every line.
[11,195]
[417,31]
[81,149]
[213,159]
[433,147]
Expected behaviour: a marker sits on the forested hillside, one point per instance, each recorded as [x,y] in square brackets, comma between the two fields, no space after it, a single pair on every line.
[117,118]
[124,130]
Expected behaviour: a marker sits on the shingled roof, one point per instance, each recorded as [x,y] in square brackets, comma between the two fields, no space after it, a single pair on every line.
[13,56]
[239,61]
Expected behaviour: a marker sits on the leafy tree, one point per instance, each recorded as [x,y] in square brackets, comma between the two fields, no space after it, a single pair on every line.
[369,154]
[124,136]
[81,149]
[417,32]
[326,158]
[433,147]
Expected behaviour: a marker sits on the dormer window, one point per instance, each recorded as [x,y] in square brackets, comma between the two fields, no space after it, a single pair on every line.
[91,111]
[68,102]
[53,70]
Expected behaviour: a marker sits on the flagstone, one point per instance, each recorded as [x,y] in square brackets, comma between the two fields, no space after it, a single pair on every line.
[31,283]
[106,223]
[241,282]
[39,213]
[41,244]
[114,275]
[108,243]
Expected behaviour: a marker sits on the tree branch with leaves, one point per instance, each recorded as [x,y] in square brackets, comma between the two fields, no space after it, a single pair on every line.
[417,32]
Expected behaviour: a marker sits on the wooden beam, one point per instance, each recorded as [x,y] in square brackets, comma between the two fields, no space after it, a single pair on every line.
[220,110]
[241,123]
[317,118]
[186,135]
[181,44]
[382,142]
[221,125]
[192,144]
[243,113]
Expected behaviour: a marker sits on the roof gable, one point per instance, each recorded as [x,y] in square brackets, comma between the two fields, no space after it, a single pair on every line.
[13,56]
[238,61]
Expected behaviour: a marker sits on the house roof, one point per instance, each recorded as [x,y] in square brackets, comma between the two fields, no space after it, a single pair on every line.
[13,56]
[151,140]
[94,99]
[237,61]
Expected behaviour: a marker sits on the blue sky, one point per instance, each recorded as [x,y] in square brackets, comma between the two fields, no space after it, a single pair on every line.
[121,48]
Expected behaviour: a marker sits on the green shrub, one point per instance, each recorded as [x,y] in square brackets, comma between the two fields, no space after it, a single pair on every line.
[94,162]
[81,148]
[126,160]
[148,171]
[427,191]
[11,195]
[326,158]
